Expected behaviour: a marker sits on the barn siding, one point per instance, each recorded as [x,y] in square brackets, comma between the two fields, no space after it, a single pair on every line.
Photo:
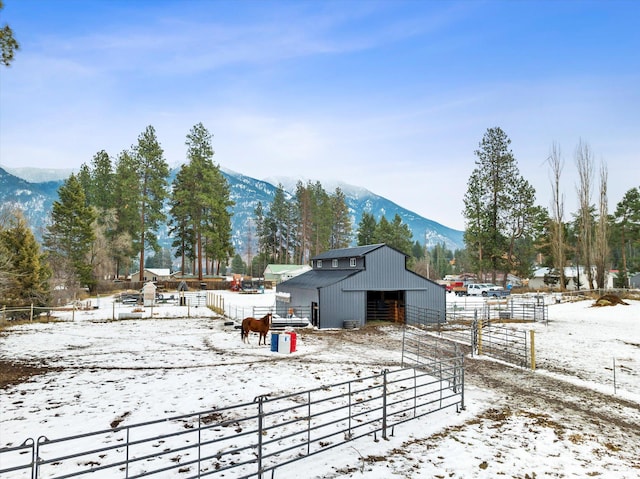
[337,305]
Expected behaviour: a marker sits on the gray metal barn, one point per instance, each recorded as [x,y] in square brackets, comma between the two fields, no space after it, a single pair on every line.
[351,286]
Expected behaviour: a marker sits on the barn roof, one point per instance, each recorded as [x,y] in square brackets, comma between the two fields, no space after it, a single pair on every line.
[318,278]
[356,251]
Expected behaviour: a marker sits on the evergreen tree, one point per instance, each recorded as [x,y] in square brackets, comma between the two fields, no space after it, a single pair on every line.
[8,43]
[101,194]
[384,232]
[498,206]
[184,242]
[28,273]
[98,183]
[280,227]
[321,218]
[126,237]
[162,259]
[341,221]
[442,260]
[260,261]
[417,251]
[304,205]
[152,172]
[238,266]
[367,229]
[626,234]
[70,235]
[200,204]
[401,236]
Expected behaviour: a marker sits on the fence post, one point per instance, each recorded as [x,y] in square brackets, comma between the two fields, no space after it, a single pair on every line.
[404,336]
[384,403]
[126,470]
[461,366]
[532,334]
[479,323]
[31,313]
[260,400]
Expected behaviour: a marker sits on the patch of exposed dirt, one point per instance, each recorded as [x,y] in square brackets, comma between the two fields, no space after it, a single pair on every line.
[15,372]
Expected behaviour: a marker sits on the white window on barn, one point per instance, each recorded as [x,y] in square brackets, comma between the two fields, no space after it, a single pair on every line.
[334,263]
[352,262]
[319,263]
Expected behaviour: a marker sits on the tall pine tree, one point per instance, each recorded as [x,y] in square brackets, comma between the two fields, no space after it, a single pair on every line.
[70,235]
[152,172]
[499,208]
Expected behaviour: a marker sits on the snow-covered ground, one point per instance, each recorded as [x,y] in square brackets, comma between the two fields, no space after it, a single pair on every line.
[167,364]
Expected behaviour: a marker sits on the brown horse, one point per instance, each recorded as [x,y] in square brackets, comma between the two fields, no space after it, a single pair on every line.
[261,326]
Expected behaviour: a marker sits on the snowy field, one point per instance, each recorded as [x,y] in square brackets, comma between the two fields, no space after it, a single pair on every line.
[166,364]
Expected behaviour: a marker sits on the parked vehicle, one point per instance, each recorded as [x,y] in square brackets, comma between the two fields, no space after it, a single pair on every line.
[498,293]
[486,289]
[455,286]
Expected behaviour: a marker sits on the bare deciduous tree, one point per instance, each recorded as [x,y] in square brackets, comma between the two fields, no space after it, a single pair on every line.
[602,231]
[557,240]
[584,164]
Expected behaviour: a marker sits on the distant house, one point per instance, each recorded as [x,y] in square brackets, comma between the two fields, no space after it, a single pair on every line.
[634,281]
[277,273]
[153,274]
[576,278]
[351,286]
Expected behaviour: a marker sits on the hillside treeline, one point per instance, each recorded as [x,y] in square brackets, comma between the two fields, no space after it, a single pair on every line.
[104,224]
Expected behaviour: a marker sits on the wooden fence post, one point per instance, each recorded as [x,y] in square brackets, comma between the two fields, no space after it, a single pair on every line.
[532,334]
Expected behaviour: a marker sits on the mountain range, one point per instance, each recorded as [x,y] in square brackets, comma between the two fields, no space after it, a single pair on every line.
[34,190]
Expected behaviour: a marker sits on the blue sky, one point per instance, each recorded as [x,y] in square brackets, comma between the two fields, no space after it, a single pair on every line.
[392,96]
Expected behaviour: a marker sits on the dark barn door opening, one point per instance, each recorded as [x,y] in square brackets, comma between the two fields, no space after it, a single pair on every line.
[385,306]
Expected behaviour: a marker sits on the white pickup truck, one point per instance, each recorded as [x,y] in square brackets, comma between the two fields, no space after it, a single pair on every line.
[486,289]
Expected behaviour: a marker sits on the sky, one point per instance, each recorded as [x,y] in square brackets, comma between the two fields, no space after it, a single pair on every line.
[167,365]
[392,96]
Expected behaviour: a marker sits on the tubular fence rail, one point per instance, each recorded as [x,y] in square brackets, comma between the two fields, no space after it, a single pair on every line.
[415,316]
[250,439]
[284,310]
[522,308]
[508,344]
[484,338]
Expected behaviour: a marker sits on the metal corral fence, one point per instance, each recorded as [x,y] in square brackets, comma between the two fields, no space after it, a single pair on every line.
[246,440]
[512,345]
[238,313]
[523,308]
[420,346]
[415,316]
